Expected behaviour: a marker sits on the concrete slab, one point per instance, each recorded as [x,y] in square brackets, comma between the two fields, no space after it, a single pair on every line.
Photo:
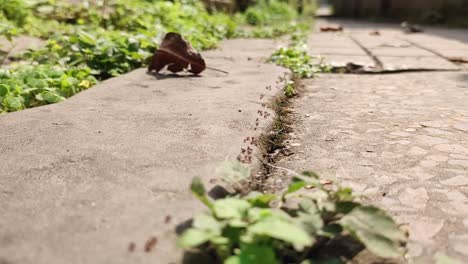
[342,60]
[401,140]
[83,179]
[401,52]
[331,40]
[392,63]
[335,51]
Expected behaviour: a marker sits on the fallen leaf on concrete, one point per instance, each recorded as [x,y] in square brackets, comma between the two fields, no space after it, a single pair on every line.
[327,28]
[150,243]
[177,54]
[374,33]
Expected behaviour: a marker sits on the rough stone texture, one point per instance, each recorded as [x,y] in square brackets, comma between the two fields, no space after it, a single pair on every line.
[394,138]
[82,179]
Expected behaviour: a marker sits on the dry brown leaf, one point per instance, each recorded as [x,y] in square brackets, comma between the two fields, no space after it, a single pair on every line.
[177,54]
[330,28]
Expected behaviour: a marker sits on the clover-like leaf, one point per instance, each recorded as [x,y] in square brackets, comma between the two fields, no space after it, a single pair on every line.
[230,208]
[257,254]
[233,172]
[376,230]
[49,97]
[280,229]
[192,238]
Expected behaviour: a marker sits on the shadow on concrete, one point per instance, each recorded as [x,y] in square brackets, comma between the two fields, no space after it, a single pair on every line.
[462,77]
[341,247]
[162,76]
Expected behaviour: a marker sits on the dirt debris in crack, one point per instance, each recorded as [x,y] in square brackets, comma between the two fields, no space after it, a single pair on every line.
[272,144]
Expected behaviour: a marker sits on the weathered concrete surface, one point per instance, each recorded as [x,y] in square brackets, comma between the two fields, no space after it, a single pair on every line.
[401,139]
[82,179]
[385,47]
[18,45]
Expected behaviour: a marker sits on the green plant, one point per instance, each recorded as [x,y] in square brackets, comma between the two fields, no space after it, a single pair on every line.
[30,86]
[269,12]
[290,227]
[106,53]
[298,61]
[16,11]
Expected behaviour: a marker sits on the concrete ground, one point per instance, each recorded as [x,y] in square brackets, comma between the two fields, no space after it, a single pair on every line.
[105,174]
[401,138]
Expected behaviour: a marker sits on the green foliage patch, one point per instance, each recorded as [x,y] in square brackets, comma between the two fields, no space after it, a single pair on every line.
[290,227]
[270,12]
[30,86]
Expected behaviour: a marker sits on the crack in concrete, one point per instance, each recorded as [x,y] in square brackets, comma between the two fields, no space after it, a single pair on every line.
[378,65]
[438,54]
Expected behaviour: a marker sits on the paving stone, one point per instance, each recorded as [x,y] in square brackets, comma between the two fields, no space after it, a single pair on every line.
[342,60]
[323,51]
[428,163]
[461,126]
[416,198]
[462,248]
[422,229]
[409,51]
[459,156]
[452,148]
[409,118]
[430,140]
[412,63]
[438,158]
[459,180]
[434,124]
[421,175]
[417,151]
[465,222]
[455,195]
[401,134]
[463,163]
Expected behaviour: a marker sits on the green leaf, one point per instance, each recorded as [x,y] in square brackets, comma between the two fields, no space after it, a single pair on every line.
[233,260]
[4,90]
[376,230]
[346,207]
[49,97]
[198,189]
[257,254]
[230,208]
[258,199]
[87,38]
[192,238]
[277,228]
[311,222]
[233,172]
[13,103]
[207,222]
[295,186]
[345,194]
